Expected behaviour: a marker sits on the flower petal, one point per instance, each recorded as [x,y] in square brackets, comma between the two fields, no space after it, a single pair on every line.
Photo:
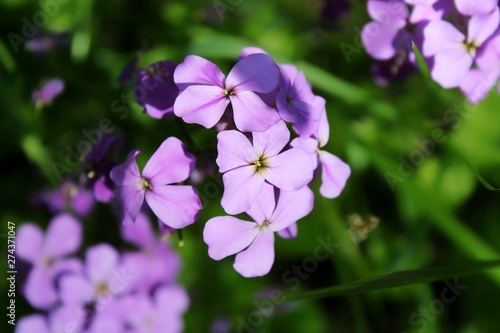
[176,205]
[196,70]
[468,7]
[291,207]
[40,288]
[29,240]
[310,146]
[258,258]
[481,27]
[234,150]
[323,133]
[477,83]
[290,170]
[388,11]
[263,207]
[34,323]
[335,173]
[63,237]
[203,105]
[288,232]
[440,36]
[140,233]
[251,114]
[127,173]
[170,163]
[272,141]
[450,67]
[129,200]
[100,262]
[227,235]
[256,72]
[241,188]
[75,289]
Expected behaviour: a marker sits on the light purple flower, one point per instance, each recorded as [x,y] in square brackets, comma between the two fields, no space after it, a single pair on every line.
[62,320]
[47,255]
[46,94]
[69,196]
[295,101]
[453,52]
[206,92]
[162,314]
[176,205]
[334,172]
[155,89]
[273,211]
[247,166]
[475,7]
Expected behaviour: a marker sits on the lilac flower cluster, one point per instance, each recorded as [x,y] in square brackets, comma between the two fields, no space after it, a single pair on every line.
[458,38]
[264,173]
[108,291]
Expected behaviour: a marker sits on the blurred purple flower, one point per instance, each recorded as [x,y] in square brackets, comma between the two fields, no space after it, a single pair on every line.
[46,94]
[48,41]
[61,320]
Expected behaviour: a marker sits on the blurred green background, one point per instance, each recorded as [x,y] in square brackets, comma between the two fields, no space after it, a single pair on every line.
[434,212]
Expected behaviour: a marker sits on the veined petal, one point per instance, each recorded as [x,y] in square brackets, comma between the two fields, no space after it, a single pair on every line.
[481,27]
[63,237]
[100,261]
[451,66]
[290,170]
[203,105]
[256,72]
[251,114]
[335,173]
[291,207]
[29,242]
[227,235]
[263,207]
[272,141]
[175,205]
[234,150]
[258,258]
[441,36]
[127,173]
[170,163]
[196,70]
[241,188]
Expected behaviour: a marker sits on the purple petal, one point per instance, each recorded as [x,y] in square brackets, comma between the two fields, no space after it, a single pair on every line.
[40,290]
[257,72]
[263,207]
[382,41]
[481,27]
[169,164]
[469,7]
[67,319]
[241,188]
[127,173]
[323,133]
[289,232]
[196,70]
[63,237]
[489,53]
[49,91]
[310,146]
[251,114]
[258,258]
[176,205]
[388,11]
[203,105]
[100,262]
[32,324]
[441,36]
[291,207]
[334,175]
[234,150]
[102,192]
[75,289]
[451,66]
[29,241]
[477,83]
[272,141]
[140,233]
[290,170]
[227,235]
[172,300]
[82,202]
[246,51]
[129,200]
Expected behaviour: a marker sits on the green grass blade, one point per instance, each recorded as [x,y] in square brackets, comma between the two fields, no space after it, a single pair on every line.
[421,61]
[397,279]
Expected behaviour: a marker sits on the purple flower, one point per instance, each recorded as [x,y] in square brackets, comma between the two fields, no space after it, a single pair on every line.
[48,41]
[46,94]
[156,263]
[335,172]
[272,211]
[454,53]
[206,92]
[162,314]
[46,253]
[247,166]
[475,7]
[176,205]
[69,196]
[155,89]
[63,319]
[295,101]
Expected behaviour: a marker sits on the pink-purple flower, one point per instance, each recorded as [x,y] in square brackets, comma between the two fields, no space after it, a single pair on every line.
[176,205]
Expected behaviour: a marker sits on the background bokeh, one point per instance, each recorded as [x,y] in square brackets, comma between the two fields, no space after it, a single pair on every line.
[433,208]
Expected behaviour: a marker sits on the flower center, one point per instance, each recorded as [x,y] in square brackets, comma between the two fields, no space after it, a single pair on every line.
[228,92]
[260,165]
[263,225]
[146,184]
[102,288]
[471,47]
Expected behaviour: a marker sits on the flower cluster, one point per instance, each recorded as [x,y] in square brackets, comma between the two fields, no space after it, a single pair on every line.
[458,38]
[108,291]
